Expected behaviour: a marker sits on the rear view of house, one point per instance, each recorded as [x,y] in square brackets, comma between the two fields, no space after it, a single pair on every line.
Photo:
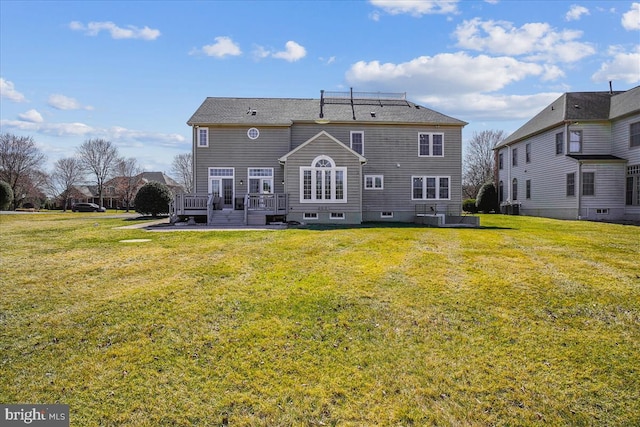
[579,158]
[343,158]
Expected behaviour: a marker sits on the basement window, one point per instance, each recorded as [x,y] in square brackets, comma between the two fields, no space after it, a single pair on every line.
[310,215]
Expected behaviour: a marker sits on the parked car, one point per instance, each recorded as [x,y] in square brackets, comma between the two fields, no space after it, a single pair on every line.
[87,207]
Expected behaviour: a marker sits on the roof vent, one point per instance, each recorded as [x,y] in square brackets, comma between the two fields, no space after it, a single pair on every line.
[251,111]
[373,114]
[576,106]
[417,107]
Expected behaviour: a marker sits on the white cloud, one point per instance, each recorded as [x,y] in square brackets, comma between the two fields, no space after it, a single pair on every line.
[55,129]
[8,91]
[537,40]
[575,12]
[467,86]
[492,107]
[61,102]
[116,134]
[32,116]
[417,7]
[631,19]
[449,73]
[224,46]
[130,32]
[624,66]
[293,52]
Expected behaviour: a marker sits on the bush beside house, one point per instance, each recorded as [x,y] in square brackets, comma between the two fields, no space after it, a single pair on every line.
[487,199]
[6,196]
[153,199]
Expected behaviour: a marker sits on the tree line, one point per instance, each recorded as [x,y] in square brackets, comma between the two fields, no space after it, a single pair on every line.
[96,161]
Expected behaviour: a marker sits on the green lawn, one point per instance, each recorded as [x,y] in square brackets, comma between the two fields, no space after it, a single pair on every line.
[527,321]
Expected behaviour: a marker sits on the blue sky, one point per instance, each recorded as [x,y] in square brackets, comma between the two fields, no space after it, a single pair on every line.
[134,72]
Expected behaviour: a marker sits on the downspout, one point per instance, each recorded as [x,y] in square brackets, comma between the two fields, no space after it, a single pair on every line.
[579,190]
[194,135]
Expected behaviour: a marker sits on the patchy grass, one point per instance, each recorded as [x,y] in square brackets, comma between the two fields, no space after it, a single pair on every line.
[526,322]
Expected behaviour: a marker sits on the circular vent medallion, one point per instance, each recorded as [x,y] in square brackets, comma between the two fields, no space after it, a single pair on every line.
[253,133]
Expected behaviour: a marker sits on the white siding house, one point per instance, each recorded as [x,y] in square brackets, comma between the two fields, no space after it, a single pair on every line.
[579,158]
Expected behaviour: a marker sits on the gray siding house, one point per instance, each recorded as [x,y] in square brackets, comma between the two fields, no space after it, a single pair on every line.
[344,158]
[579,158]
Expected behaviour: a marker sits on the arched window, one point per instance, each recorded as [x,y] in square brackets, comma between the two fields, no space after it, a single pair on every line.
[323,182]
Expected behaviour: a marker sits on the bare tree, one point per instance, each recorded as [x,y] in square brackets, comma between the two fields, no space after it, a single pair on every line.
[20,159]
[98,157]
[182,169]
[479,160]
[67,173]
[127,171]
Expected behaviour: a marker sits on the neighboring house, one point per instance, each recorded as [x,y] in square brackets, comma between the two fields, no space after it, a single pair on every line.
[579,158]
[344,158]
[116,189]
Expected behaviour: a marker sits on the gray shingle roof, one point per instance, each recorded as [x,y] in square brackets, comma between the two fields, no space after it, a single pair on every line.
[285,111]
[575,106]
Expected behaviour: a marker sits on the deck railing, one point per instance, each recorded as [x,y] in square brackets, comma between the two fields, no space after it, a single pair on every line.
[189,204]
[275,204]
[202,204]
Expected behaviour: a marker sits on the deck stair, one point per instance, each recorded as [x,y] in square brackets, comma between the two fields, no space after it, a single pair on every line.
[221,218]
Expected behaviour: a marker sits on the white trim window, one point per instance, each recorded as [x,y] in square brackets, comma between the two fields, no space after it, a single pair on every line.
[260,180]
[386,214]
[357,141]
[202,135]
[575,141]
[374,182]
[336,215]
[430,144]
[310,215]
[323,182]
[430,187]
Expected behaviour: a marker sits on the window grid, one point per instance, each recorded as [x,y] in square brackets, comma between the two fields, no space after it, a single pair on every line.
[430,187]
[527,153]
[215,172]
[514,189]
[357,142]
[374,182]
[430,144]
[514,157]
[203,137]
[560,143]
[588,183]
[323,182]
[571,184]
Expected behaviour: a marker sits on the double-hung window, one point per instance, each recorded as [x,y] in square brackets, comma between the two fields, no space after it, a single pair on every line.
[203,137]
[501,161]
[571,184]
[430,187]
[357,142]
[323,182]
[560,143]
[514,189]
[430,144]
[588,183]
[527,153]
[514,157]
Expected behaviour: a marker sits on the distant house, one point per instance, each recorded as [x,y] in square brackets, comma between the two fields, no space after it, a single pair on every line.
[579,158]
[119,192]
[344,158]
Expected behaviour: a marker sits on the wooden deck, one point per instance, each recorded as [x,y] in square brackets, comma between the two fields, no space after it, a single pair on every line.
[191,205]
